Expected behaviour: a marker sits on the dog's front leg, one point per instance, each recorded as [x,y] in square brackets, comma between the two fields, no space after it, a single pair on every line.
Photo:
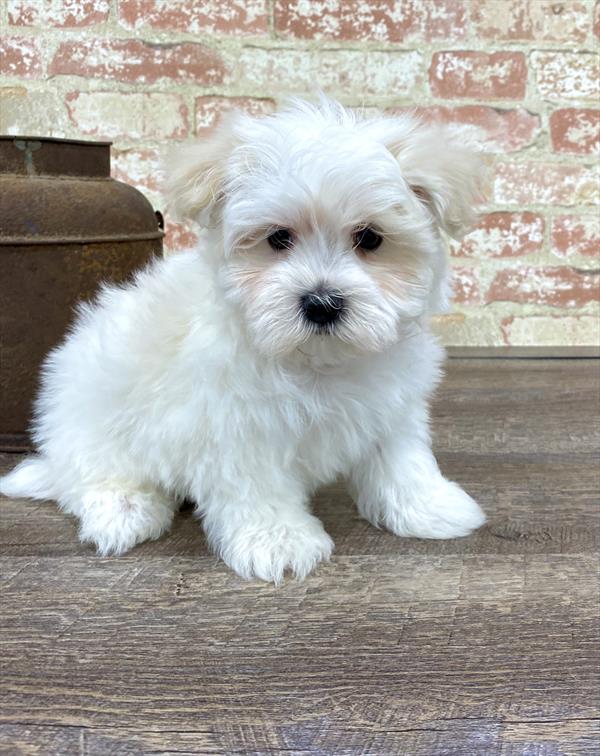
[262,527]
[399,486]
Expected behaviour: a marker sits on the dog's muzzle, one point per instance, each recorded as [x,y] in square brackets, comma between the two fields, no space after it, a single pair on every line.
[322,307]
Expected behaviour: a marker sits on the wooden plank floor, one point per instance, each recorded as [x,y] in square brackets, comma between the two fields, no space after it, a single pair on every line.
[485,645]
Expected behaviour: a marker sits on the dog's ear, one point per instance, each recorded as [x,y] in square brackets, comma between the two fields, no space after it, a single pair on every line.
[196,173]
[444,167]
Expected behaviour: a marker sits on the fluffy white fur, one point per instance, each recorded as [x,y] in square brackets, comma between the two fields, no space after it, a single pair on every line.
[203,379]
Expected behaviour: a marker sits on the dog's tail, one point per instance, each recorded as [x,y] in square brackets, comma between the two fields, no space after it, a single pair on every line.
[30,479]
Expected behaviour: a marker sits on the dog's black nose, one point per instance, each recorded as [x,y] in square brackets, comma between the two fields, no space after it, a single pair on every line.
[322,307]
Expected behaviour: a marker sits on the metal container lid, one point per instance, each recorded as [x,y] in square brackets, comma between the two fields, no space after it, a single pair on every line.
[59,191]
[47,156]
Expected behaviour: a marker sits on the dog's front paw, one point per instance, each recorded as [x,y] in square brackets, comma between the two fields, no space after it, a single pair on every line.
[442,511]
[265,549]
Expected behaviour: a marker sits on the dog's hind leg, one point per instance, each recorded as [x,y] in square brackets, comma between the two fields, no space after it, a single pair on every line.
[399,486]
[116,519]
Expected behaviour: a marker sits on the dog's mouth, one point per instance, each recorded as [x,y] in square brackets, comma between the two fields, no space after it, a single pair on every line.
[323,329]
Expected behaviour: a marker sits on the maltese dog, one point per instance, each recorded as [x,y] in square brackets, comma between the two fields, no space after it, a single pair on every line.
[289,349]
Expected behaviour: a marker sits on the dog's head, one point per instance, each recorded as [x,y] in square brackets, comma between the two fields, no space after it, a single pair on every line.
[330,226]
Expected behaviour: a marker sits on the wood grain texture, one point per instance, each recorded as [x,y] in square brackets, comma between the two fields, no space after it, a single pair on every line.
[484,645]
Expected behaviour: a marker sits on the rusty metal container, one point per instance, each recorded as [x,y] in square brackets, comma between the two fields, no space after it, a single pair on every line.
[65,226]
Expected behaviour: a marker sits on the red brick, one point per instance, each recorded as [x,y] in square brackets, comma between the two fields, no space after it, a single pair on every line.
[465,286]
[557,287]
[20,56]
[503,235]
[525,20]
[576,235]
[530,183]
[566,75]
[210,109]
[65,14]
[575,130]
[178,236]
[502,130]
[128,115]
[380,20]
[470,73]
[132,60]
[214,16]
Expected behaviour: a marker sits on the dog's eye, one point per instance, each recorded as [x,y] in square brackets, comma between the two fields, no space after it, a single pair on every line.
[281,239]
[366,239]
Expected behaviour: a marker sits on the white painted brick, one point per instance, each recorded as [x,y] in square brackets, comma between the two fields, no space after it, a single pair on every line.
[129,116]
[343,72]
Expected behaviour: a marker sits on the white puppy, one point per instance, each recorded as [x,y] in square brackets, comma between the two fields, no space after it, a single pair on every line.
[291,348]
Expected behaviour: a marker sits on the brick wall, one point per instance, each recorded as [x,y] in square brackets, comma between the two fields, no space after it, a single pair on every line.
[146,73]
